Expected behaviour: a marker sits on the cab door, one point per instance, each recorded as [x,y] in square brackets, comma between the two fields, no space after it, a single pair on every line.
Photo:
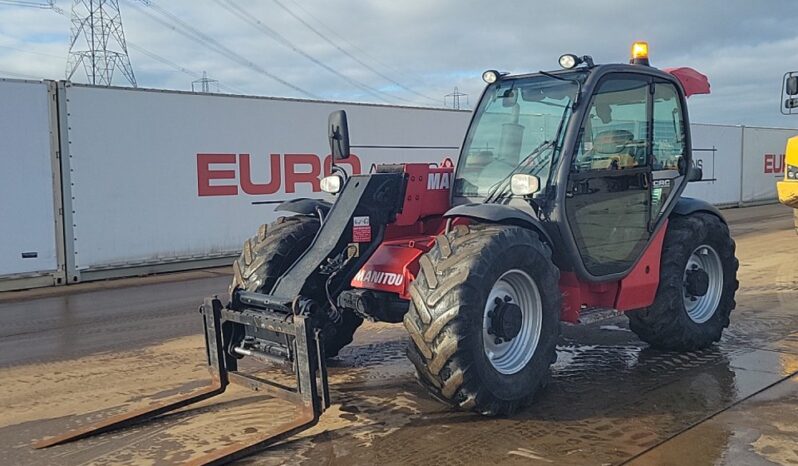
[609,191]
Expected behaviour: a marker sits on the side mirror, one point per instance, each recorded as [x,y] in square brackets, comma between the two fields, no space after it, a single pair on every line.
[338,133]
[695,174]
[791,85]
[524,185]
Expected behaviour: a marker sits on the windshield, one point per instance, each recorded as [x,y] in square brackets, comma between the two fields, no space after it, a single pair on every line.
[516,118]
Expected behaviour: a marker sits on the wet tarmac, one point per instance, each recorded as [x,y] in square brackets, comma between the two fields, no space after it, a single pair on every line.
[612,400]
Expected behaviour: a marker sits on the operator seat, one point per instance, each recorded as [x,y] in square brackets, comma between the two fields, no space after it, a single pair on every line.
[612,149]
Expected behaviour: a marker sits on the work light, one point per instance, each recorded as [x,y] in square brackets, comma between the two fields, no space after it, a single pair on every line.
[490,76]
[569,61]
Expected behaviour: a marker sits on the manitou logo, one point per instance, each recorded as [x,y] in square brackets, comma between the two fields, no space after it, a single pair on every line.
[437,181]
[374,277]
[224,174]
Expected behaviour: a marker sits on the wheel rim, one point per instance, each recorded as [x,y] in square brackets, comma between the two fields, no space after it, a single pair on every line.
[701,308]
[510,357]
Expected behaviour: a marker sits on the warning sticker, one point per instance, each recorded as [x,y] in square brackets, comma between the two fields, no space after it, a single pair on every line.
[361,230]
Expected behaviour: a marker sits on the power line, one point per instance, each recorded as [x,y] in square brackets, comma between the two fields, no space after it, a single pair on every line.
[20,75]
[29,51]
[163,60]
[44,6]
[238,11]
[207,41]
[171,64]
[193,34]
[50,5]
[349,54]
[351,44]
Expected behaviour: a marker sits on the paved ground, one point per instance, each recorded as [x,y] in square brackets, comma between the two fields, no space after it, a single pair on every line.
[95,349]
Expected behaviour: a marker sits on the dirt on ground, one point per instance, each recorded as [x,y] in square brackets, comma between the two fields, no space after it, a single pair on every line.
[71,359]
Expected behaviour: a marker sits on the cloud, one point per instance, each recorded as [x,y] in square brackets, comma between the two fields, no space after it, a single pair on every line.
[431,47]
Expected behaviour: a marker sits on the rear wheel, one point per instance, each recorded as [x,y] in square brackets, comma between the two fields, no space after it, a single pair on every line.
[698,279]
[268,254]
[484,318]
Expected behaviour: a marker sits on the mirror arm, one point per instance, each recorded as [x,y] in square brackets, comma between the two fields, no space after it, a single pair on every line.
[335,137]
[338,169]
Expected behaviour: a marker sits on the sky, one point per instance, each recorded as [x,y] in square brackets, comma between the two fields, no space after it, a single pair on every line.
[415,52]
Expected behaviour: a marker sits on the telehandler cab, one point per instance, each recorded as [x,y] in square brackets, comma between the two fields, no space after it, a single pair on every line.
[565,205]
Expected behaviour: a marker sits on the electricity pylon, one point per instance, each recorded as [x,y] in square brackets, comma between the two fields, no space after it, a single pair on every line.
[98,42]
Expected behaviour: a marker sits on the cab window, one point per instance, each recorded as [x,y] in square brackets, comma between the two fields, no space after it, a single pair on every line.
[614,134]
[668,146]
[669,143]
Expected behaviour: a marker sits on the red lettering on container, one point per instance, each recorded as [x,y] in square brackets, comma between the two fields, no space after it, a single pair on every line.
[205,175]
[298,169]
[292,177]
[778,165]
[774,163]
[259,188]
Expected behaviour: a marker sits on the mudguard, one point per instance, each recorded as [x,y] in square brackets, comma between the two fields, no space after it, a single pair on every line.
[689,205]
[498,213]
[304,206]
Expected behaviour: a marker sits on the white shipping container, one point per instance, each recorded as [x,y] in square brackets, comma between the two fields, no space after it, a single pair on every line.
[717,150]
[763,162]
[159,177]
[29,243]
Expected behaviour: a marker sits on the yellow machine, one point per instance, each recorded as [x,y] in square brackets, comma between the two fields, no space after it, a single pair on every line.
[788,189]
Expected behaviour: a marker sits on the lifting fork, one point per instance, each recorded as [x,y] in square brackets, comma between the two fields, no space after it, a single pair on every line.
[310,397]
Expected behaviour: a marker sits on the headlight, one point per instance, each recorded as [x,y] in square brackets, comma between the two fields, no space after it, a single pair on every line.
[331,184]
[792,172]
[524,185]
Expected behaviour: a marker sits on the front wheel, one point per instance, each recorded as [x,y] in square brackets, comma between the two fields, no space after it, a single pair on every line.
[698,280]
[484,318]
[267,255]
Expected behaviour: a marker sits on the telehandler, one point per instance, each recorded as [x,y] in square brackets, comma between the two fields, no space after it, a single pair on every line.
[565,205]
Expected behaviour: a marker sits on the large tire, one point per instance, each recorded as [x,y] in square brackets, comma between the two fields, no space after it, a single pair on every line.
[667,324]
[449,300]
[268,254]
